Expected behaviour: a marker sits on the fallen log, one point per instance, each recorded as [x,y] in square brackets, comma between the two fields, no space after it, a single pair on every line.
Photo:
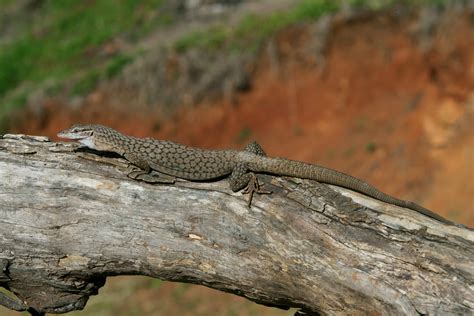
[70,218]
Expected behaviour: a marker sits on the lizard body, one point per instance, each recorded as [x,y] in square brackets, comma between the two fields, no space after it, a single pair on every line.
[170,160]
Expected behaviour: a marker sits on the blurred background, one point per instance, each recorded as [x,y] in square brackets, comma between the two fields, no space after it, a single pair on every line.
[380,89]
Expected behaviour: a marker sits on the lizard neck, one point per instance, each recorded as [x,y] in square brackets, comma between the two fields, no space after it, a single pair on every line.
[111,141]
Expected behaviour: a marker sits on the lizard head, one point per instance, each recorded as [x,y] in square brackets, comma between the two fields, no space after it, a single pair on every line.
[92,136]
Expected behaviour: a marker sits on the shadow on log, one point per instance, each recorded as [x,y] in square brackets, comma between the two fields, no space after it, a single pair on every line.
[66,223]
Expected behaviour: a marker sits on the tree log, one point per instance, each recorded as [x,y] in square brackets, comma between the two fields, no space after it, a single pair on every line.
[68,222]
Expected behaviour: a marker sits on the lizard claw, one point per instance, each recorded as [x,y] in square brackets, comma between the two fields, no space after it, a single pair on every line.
[254,187]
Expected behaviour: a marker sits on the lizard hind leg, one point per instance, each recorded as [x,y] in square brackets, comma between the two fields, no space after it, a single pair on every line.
[242,179]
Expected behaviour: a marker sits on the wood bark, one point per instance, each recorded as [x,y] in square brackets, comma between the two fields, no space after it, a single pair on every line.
[66,223]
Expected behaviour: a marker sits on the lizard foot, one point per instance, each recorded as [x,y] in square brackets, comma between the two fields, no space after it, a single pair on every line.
[254,187]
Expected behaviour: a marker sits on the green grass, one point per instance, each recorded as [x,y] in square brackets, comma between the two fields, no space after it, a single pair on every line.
[209,39]
[66,40]
[6,3]
[115,66]
[14,64]
[86,83]
[380,4]
[253,30]
[370,147]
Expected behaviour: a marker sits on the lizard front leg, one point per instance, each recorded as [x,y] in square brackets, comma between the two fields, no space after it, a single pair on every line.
[139,169]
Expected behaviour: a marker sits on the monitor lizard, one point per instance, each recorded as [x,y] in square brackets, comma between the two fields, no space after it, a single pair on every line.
[171,160]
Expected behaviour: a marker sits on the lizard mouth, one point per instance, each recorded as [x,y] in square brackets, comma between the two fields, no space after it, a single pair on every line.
[83,135]
[86,139]
[69,134]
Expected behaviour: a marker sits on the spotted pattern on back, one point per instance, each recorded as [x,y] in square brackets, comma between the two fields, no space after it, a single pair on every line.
[189,162]
[168,157]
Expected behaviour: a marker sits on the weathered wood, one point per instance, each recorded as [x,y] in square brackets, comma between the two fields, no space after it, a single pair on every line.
[66,223]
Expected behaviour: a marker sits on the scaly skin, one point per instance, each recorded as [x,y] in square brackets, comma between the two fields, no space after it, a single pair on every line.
[176,160]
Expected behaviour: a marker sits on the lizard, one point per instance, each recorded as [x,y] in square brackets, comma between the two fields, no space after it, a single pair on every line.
[172,160]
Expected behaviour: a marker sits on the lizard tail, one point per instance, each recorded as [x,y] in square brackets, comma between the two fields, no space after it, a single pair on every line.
[291,168]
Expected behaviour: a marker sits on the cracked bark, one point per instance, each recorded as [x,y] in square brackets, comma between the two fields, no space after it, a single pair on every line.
[66,223]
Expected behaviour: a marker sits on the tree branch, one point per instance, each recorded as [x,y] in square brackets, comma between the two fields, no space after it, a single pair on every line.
[68,222]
